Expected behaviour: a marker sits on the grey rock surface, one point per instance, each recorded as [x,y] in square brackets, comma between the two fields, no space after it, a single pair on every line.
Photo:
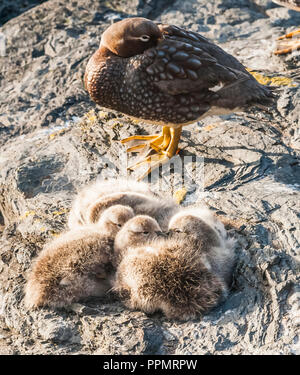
[54,140]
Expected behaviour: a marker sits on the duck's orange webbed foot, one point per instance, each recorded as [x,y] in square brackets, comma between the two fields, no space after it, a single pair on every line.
[288,43]
[162,148]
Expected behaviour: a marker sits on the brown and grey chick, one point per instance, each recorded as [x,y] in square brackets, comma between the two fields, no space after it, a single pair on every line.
[94,199]
[98,189]
[168,275]
[76,265]
[202,228]
[184,275]
[161,209]
[138,231]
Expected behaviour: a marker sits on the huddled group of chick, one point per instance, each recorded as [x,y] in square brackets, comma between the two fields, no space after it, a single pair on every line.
[153,254]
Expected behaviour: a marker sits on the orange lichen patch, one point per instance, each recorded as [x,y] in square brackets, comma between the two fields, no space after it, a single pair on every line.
[273,81]
[179,195]
[210,127]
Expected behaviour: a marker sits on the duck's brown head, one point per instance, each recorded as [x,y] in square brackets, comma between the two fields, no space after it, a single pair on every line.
[131,36]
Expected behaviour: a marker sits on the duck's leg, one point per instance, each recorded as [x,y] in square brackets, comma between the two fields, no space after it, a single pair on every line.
[285,45]
[163,147]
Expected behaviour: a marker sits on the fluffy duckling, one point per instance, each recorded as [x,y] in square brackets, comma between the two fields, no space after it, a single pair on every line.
[160,209]
[87,206]
[182,276]
[168,276]
[201,226]
[76,265]
[137,231]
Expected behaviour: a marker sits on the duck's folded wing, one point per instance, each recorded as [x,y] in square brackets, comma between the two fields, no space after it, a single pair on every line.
[185,62]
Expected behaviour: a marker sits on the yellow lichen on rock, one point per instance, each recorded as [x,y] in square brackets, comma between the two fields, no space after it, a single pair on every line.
[116,123]
[179,195]
[91,116]
[102,115]
[26,214]
[59,132]
[135,120]
[60,212]
[87,121]
[272,81]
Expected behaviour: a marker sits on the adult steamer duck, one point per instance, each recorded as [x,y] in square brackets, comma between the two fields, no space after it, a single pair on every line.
[165,75]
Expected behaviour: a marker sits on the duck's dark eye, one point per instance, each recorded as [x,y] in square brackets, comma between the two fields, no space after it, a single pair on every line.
[119,225]
[145,38]
[145,232]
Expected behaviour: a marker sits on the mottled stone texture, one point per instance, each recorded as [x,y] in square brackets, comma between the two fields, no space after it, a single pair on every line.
[53,140]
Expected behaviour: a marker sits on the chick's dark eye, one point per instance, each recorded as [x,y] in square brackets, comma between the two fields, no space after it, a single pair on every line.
[145,38]
[117,224]
[177,231]
[145,232]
